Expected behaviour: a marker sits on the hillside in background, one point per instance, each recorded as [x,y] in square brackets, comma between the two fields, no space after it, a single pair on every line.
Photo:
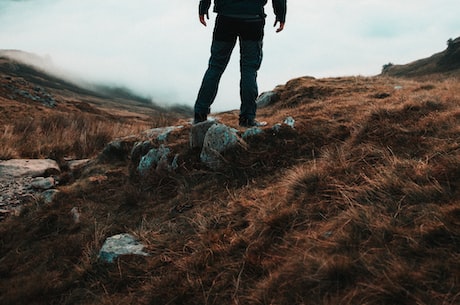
[24,75]
[440,65]
[357,202]
[36,105]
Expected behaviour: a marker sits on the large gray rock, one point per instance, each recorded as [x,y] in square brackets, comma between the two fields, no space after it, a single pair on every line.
[121,244]
[155,158]
[198,133]
[41,183]
[267,98]
[218,139]
[139,150]
[117,150]
[162,133]
[18,168]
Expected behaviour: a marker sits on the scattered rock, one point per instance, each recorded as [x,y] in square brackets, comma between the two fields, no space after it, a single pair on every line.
[17,191]
[49,195]
[38,95]
[121,244]
[276,128]
[75,214]
[290,121]
[42,183]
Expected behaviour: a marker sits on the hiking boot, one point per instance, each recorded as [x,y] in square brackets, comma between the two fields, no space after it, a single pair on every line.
[200,117]
[245,122]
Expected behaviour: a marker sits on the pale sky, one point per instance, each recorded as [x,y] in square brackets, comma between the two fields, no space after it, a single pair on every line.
[159,49]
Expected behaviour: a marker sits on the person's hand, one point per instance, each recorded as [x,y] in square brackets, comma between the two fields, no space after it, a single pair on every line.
[280,27]
[203,20]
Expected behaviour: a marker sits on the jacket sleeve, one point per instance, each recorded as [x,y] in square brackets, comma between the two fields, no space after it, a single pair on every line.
[204,7]
[280,7]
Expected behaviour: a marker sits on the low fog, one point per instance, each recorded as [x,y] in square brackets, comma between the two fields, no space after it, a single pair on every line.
[159,49]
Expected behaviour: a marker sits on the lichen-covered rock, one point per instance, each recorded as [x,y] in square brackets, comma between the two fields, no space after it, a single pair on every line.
[218,139]
[121,244]
[267,98]
[198,133]
[139,150]
[154,158]
[43,183]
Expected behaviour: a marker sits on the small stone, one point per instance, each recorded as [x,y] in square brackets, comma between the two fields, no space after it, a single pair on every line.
[276,127]
[289,121]
[75,215]
[43,183]
[49,195]
[120,244]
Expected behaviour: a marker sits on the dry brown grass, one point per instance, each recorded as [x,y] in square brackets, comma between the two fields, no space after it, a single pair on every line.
[59,135]
[359,204]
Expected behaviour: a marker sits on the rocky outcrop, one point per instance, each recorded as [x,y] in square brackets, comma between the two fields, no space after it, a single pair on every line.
[29,180]
[19,168]
[17,89]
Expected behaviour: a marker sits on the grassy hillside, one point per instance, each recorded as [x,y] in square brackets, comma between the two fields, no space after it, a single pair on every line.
[359,204]
[445,64]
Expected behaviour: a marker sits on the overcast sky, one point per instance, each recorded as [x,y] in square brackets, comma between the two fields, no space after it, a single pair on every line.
[158,48]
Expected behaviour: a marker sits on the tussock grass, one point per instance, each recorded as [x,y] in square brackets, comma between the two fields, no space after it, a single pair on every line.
[59,135]
[359,204]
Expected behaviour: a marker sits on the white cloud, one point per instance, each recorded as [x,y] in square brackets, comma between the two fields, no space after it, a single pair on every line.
[159,48]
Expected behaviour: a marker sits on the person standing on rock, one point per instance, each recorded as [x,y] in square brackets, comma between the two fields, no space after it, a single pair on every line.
[243,19]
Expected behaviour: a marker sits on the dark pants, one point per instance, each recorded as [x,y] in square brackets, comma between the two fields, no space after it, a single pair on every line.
[226,32]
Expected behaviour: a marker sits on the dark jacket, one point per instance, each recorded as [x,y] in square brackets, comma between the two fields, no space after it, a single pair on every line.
[244,7]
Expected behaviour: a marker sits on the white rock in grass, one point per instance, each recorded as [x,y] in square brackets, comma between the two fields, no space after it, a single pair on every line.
[121,244]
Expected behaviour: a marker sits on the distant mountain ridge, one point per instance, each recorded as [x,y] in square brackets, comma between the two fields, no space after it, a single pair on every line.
[444,64]
[41,70]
